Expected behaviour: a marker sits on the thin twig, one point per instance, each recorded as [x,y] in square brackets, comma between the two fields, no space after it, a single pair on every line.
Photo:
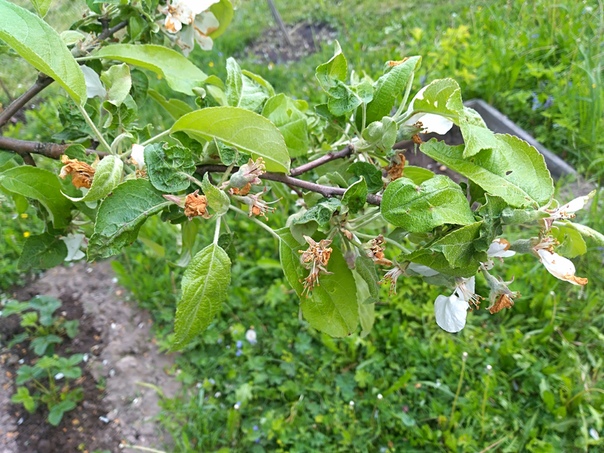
[345,152]
[41,82]
[277,17]
[326,191]
[6,91]
[52,150]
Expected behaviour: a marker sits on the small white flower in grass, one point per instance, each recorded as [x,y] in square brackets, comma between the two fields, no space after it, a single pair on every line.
[594,434]
[138,156]
[250,336]
[59,376]
[237,406]
[351,404]
[451,312]
[380,396]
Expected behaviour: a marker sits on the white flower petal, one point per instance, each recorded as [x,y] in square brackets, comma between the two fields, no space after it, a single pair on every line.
[451,313]
[422,270]
[499,248]
[138,156]
[73,243]
[94,87]
[435,123]
[575,205]
[206,23]
[560,267]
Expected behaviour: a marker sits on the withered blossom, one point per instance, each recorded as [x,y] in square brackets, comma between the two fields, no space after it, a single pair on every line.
[81,173]
[375,251]
[196,205]
[315,258]
[396,167]
[248,174]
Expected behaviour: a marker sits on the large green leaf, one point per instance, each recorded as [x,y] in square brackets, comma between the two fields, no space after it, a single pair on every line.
[515,171]
[107,176]
[332,306]
[42,47]
[41,185]
[204,288]
[242,91]
[121,215]
[42,251]
[42,6]
[242,129]
[223,11]
[390,86]
[421,208]
[179,72]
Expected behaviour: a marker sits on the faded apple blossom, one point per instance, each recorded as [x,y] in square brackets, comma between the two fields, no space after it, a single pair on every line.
[315,259]
[197,21]
[560,267]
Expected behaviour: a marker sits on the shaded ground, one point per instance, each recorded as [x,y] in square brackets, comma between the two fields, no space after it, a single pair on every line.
[305,37]
[117,410]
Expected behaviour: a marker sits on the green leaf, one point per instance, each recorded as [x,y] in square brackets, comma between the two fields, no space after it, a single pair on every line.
[46,306]
[118,82]
[419,209]
[453,254]
[121,215]
[417,174]
[223,11]
[366,315]
[179,72]
[169,166]
[515,171]
[332,306]
[369,172]
[355,196]
[41,344]
[42,47]
[241,91]
[587,232]
[107,176]
[175,107]
[393,83]
[42,6]
[475,133]
[242,129]
[234,82]
[55,415]
[320,213]
[43,251]
[381,135]
[365,268]
[442,97]
[283,112]
[571,241]
[217,199]
[204,288]
[331,77]
[41,185]
[22,396]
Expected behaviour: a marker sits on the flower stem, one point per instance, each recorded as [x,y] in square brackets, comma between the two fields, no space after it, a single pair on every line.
[256,221]
[155,137]
[94,128]
[217,230]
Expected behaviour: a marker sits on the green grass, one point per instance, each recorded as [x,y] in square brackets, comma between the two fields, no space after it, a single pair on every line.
[293,389]
[540,63]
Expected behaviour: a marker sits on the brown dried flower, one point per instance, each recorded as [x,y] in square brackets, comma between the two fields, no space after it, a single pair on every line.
[504,301]
[315,258]
[396,167]
[196,205]
[375,251]
[81,173]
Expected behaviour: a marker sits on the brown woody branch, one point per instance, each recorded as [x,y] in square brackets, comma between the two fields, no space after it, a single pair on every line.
[41,82]
[345,152]
[326,191]
[25,147]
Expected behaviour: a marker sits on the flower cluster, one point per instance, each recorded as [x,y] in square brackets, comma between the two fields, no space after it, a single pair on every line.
[197,21]
[315,258]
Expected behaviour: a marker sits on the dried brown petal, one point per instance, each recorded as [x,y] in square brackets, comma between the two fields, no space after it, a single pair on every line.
[504,301]
[81,173]
[196,205]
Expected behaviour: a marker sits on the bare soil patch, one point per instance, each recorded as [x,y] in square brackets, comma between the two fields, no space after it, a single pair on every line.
[117,411]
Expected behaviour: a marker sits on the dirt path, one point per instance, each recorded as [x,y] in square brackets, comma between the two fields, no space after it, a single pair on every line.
[121,354]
